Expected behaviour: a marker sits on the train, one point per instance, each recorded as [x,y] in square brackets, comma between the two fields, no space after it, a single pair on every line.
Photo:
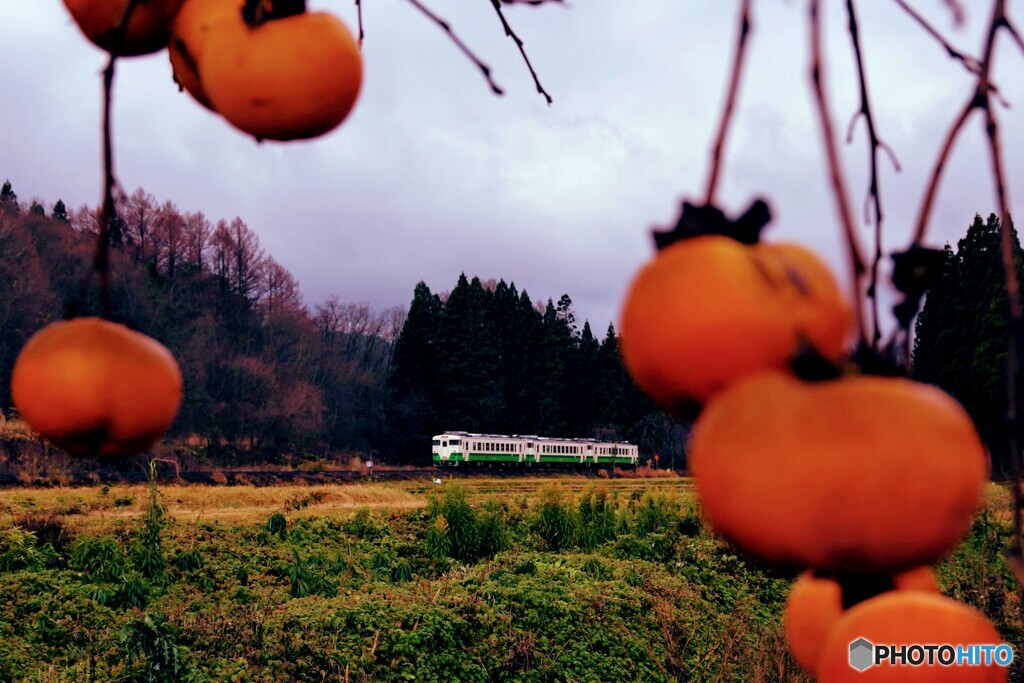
[461,449]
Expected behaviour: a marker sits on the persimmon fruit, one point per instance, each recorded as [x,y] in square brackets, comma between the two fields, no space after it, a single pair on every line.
[907,618]
[709,310]
[148,31]
[189,32]
[815,605]
[291,78]
[94,387]
[863,474]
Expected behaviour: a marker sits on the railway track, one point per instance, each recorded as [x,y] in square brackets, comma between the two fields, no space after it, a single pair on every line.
[233,477]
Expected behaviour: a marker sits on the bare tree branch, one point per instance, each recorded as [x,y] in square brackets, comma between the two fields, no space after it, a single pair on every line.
[924,215]
[484,68]
[969,62]
[519,43]
[839,190]
[874,191]
[730,101]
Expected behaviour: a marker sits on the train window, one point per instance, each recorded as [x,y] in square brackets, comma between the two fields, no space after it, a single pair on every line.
[453,442]
[437,442]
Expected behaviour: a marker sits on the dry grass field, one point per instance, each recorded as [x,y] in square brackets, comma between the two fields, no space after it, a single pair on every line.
[95,507]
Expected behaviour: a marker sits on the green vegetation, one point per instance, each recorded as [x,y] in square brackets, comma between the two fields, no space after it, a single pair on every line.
[598,584]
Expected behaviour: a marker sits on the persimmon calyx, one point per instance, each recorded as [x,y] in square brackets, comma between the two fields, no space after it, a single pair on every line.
[708,219]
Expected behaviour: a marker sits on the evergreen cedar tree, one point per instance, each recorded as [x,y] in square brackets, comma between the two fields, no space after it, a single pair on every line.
[264,376]
[485,359]
[960,336]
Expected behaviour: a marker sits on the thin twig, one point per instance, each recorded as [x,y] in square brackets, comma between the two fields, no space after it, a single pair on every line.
[969,62]
[730,101]
[839,191]
[108,212]
[519,43]
[874,191]
[972,64]
[484,68]
[924,215]
[533,3]
[359,16]
[1014,33]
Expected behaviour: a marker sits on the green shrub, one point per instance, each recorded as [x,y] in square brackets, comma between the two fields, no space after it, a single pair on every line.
[401,572]
[596,513]
[277,524]
[147,557]
[189,561]
[100,558]
[362,525]
[153,640]
[492,534]
[556,522]
[133,591]
[463,539]
[304,580]
[48,528]
[438,545]
[18,549]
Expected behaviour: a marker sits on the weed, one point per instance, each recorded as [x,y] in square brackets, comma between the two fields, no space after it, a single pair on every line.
[152,639]
[100,558]
[277,524]
[556,522]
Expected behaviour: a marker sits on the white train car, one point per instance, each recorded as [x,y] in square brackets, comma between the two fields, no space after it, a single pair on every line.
[453,449]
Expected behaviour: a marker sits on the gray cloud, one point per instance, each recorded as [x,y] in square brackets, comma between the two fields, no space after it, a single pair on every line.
[432,175]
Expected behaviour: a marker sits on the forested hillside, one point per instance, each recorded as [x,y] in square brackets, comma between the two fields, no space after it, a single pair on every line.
[265,376]
[269,379]
[487,359]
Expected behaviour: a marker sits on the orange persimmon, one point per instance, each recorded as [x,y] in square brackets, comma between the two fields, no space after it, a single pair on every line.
[863,474]
[708,310]
[286,79]
[93,387]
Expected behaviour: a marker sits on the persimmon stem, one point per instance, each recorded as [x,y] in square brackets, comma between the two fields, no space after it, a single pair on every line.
[739,55]
[108,212]
[839,191]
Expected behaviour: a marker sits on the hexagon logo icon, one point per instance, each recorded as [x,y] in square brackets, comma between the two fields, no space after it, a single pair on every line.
[862,654]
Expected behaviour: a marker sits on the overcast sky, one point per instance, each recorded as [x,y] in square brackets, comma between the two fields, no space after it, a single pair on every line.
[432,175]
